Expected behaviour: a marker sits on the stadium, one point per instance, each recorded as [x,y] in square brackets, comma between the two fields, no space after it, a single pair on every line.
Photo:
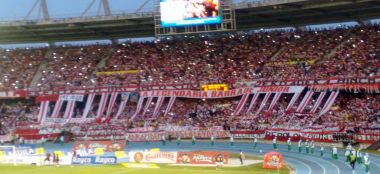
[190,86]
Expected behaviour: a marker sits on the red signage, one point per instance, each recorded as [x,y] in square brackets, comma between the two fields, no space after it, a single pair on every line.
[201,157]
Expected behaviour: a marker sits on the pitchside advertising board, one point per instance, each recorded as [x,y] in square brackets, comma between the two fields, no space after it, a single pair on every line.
[108,146]
[88,160]
[191,157]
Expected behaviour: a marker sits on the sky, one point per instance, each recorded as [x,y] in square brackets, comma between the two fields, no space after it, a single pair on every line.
[11,10]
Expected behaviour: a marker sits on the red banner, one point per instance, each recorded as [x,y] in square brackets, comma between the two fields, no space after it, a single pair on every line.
[201,157]
[109,146]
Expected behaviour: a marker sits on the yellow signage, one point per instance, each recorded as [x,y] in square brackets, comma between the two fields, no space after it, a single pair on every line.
[117,72]
[214,87]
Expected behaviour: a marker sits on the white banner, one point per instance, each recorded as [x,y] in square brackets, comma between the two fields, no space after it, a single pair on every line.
[71,97]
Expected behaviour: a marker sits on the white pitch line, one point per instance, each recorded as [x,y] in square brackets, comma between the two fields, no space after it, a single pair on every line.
[324,169]
[307,166]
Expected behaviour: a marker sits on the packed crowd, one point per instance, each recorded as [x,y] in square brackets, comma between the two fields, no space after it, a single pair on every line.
[226,58]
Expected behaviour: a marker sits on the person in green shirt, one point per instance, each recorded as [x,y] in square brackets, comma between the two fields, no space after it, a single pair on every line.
[307,146]
[193,140]
[231,140]
[352,160]
[212,140]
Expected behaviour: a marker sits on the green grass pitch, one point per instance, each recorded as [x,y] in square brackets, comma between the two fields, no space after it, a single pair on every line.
[118,169]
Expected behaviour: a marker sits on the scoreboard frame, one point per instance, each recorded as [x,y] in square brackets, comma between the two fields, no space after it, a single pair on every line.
[228,22]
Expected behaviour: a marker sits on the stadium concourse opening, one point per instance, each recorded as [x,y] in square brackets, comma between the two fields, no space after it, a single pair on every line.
[213,89]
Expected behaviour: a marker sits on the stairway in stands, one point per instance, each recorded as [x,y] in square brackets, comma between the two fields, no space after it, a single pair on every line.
[42,67]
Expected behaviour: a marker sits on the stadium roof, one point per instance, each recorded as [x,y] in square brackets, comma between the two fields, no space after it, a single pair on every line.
[249,15]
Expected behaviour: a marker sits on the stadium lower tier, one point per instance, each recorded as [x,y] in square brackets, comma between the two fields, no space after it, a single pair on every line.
[310,160]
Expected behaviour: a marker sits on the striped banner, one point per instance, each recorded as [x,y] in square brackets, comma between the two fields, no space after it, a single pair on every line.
[44,107]
[170,104]
[147,104]
[123,103]
[253,101]
[263,103]
[138,107]
[102,105]
[69,109]
[305,101]
[57,108]
[274,101]
[90,100]
[111,103]
[330,101]
[292,101]
[241,104]
[159,103]
[318,102]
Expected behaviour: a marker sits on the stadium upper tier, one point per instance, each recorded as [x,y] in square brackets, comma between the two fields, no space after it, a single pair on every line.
[249,15]
[227,58]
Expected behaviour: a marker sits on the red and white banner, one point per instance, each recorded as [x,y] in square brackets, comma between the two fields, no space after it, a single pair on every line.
[253,102]
[147,104]
[241,104]
[69,109]
[159,103]
[318,102]
[170,104]
[197,94]
[305,101]
[90,100]
[102,104]
[123,103]
[44,107]
[111,103]
[138,107]
[274,101]
[263,103]
[109,146]
[57,108]
[248,134]
[330,101]
[294,99]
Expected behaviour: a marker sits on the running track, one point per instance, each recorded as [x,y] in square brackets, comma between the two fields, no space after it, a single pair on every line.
[302,163]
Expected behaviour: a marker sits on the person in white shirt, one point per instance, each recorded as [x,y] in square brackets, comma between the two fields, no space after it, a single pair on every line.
[300,146]
[274,143]
[359,156]
[289,142]
[212,139]
[193,140]
[255,143]
[231,140]
[312,147]
[322,149]
[163,140]
[334,153]
[178,140]
[366,162]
